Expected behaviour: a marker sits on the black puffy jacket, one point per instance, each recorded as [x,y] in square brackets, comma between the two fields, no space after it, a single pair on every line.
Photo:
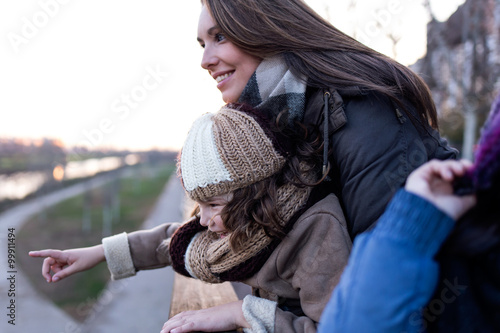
[373,148]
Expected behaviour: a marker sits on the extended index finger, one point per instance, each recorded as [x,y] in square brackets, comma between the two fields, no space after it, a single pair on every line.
[46,253]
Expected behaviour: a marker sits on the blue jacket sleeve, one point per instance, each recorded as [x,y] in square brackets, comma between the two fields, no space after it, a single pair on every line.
[391,273]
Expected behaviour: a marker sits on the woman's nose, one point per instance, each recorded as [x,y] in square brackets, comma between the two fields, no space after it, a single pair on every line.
[209,58]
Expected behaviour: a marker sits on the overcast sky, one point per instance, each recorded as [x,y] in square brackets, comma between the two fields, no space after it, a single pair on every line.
[127,74]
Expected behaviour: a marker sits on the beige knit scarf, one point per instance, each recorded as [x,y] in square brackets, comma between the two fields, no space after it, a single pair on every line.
[208,255]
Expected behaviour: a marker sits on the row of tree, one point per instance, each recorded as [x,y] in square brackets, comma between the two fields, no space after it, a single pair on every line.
[44,154]
[30,155]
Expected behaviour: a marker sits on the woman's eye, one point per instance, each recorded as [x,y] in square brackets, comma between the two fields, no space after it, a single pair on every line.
[219,37]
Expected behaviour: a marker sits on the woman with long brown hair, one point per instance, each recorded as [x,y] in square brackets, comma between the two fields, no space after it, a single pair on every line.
[378,117]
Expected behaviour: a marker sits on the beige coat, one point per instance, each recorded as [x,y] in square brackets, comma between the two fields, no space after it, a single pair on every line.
[293,286]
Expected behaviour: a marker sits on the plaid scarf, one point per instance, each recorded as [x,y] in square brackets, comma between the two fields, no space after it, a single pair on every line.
[273,87]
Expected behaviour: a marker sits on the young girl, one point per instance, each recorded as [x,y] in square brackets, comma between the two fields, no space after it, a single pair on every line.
[375,113]
[257,222]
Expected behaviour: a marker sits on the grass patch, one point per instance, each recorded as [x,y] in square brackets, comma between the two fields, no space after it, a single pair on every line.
[120,205]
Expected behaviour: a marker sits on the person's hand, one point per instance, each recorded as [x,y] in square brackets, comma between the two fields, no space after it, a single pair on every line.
[68,262]
[224,317]
[434,182]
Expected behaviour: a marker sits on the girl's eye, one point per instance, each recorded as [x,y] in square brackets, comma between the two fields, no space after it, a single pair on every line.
[219,37]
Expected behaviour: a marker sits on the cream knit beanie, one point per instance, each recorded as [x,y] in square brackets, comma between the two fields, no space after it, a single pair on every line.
[225,151]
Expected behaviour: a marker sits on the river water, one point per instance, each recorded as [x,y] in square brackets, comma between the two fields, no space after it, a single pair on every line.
[20,184]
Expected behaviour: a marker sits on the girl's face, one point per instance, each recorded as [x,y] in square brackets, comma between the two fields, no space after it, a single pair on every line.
[210,211]
[227,64]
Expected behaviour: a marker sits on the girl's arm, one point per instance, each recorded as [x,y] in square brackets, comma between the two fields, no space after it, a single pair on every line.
[139,250]
[124,253]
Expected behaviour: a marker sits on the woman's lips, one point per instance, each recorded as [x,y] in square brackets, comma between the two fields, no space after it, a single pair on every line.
[222,79]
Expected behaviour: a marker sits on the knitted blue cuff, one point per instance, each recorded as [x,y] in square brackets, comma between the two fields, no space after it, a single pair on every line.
[413,219]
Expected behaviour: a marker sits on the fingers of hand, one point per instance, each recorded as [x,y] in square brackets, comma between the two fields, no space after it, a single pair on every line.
[452,169]
[178,325]
[54,265]
[46,267]
[459,168]
[447,170]
[435,178]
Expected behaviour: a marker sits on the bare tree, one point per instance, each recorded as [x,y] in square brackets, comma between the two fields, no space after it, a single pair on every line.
[468,84]
[458,65]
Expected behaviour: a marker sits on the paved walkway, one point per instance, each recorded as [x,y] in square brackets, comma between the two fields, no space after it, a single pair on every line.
[137,304]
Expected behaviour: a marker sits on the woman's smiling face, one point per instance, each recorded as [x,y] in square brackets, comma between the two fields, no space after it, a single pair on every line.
[227,64]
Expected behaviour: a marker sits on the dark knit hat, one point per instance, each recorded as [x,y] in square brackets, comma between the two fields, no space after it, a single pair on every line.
[225,151]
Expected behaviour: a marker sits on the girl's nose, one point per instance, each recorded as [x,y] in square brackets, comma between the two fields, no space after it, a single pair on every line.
[204,221]
[204,218]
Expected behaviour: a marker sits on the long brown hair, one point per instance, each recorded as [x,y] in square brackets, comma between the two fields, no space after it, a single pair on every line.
[316,49]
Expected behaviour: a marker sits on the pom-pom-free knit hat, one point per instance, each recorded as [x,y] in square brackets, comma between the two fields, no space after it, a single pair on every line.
[225,151]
